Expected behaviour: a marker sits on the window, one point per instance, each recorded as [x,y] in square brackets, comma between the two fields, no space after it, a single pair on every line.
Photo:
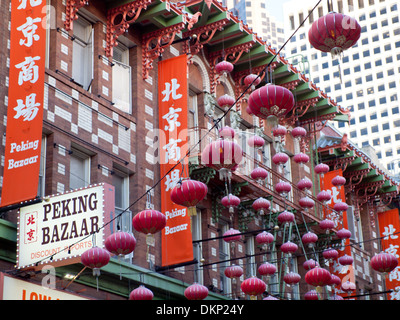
[395,110]
[362,119]
[387,139]
[374,129]
[193,121]
[385,126]
[376,142]
[384,113]
[368,78]
[79,170]
[364,131]
[197,253]
[82,57]
[121,79]
[371,103]
[224,254]
[373,116]
[382,100]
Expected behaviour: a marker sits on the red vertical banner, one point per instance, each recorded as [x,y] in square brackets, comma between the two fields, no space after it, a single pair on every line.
[343,272]
[389,230]
[173,139]
[25,101]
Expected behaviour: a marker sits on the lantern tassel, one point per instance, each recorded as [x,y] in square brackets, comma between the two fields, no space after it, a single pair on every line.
[192,211]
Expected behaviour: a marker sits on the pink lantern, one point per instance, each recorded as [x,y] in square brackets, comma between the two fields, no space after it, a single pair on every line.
[259,174]
[327,224]
[271,101]
[311,295]
[384,262]
[253,287]
[264,238]
[335,281]
[310,264]
[324,196]
[120,243]
[196,291]
[338,181]
[345,260]
[188,194]
[348,287]
[304,184]
[310,238]
[298,133]
[330,254]
[283,188]
[233,271]
[224,67]
[226,132]
[306,203]
[230,201]
[291,278]
[279,131]
[261,205]
[289,247]
[256,141]
[343,234]
[253,80]
[340,207]
[141,293]
[149,221]
[225,102]
[232,235]
[321,169]
[280,158]
[318,277]
[95,258]
[301,158]
[285,217]
[334,33]
[266,269]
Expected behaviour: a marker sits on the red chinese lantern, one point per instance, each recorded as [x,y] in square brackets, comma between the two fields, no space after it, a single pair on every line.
[280,158]
[310,264]
[141,293]
[343,234]
[384,262]
[232,235]
[348,287]
[285,217]
[340,207]
[233,272]
[301,158]
[311,295]
[324,196]
[321,169]
[334,33]
[120,243]
[310,238]
[261,205]
[283,188]
[196,291]
[226,132]
[253,287]
[256,141]
[291,278]
[149,221]
[259,174]
[330,254]
[279,131]
[345,260]
[271,101]
[189,193]
[304,184]
[264,238]
[327,224]
[266,269]
[230,201]
[338,181]
[253,80]
[225,102]
[335,281]
[95,258]
[224,67]
[318,277]
[306,203]
[298,133]
[289,247]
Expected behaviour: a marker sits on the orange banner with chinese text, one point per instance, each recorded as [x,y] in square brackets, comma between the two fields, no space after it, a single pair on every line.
[389,230]
[343,272]
[173,135]
[25,101]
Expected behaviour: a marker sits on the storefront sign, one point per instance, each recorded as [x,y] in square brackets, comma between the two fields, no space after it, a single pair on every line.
[173,90]
[58,230]
[25,101]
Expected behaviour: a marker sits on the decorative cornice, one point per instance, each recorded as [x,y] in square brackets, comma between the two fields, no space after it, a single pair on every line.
[72,8]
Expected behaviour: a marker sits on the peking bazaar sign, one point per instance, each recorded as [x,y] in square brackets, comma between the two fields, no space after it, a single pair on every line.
[57,231]
[389,228]
[343,272]
[173,135]
[25,101]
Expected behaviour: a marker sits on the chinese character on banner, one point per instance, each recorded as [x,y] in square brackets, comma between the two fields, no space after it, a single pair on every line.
[389,226]
[31,227]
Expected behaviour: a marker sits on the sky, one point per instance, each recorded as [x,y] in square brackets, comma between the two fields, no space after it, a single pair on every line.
[275,8]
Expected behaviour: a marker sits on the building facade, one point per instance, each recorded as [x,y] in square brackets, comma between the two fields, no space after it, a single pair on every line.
[100,115]
[365,79]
